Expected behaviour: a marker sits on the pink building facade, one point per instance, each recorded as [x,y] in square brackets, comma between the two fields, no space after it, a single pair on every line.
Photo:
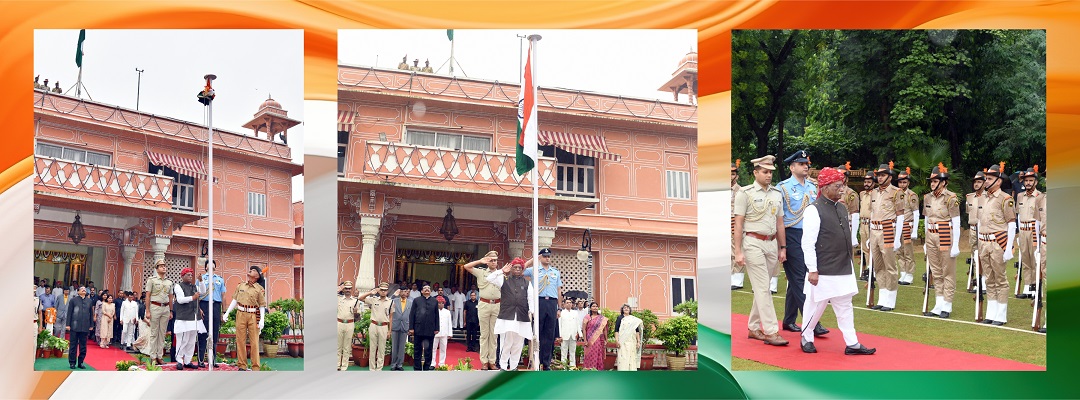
[138,184]
[413,144]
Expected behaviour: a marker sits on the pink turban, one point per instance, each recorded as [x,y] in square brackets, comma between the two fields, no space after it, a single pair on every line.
[828,176]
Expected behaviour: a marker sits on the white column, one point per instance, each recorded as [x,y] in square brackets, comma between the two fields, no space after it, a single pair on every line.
[516,249]
[365,276]
[547,234]
[128,251]
[159,244]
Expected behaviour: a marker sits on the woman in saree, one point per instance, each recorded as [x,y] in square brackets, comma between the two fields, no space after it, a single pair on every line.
[628,336]
[595,328]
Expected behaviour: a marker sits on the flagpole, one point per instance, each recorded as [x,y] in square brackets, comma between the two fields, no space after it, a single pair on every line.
[451,57]
[535,343]
[210,346]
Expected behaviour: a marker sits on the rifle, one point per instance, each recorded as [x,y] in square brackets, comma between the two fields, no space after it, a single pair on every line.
[971,266]
[926,286]
[1036,318]
[1019,268]
[870,279]
[979,311]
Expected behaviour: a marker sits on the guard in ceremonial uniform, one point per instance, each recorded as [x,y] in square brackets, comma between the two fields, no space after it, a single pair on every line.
[850,199]
[760,245]
[942,210]
[380,325]
[798,193]
[348,307]
[864,219]
[1029,205]
[737,271]
[997,227]
[906,256]
[487,308]
[158,298]
[886,217]
[1042,260]
[971,204]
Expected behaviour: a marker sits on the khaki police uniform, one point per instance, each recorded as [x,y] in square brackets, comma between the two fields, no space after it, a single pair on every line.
[996,210]
[906,256]
[250,297]
[1027,212]
[940,211]
[760,208]
[487,309]
[886,203]
[379,330]
[347,309]
[864,224]
[735,268]
[159,290]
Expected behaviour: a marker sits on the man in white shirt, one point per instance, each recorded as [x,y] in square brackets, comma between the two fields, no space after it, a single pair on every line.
[458,300]
[826,245]
[415,292]
[129,318]
[186,323]
[516,311]
[569,332]
[438,349]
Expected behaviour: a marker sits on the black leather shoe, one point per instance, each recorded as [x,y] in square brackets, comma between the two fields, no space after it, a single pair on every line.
[997,323]
[904,283]
[858,349]
[988,321]
[179,367]
[72,366]
[929,314]
[773,291]
[887,308]
[808,347]
[876,307]
[792,327]
[820,330]
[733,287]
[81,366]
[971,291]
[944,314]
[1042,330]
[191,366]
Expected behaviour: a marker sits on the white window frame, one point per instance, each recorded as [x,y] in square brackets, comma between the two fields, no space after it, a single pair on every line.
[677,184]
[575,187]
[461,139]
[343,153]
[682,290]
[256,204]
[65,149]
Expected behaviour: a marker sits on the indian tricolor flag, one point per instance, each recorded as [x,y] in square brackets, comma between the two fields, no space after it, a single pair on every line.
[526,130]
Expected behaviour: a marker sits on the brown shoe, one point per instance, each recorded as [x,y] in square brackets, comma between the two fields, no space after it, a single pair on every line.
[484,367]
[775,340]
[757,334]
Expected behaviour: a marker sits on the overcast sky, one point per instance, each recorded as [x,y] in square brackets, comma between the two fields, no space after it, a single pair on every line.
[628,62]
[250,65]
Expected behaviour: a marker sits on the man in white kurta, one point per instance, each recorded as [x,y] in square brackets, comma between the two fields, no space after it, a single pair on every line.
[826,234]
[457,300]
[129,317]
[438,348]
[186,325]
[511,326]
[569,332]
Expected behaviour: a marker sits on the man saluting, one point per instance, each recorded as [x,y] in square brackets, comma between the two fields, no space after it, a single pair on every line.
[830,273]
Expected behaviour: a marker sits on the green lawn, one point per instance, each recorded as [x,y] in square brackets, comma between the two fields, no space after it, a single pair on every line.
[742,364]
[1009,344]
[57,364]
[284,363]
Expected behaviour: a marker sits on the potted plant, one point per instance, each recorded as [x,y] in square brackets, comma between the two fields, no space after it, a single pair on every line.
[360,339]
[649,323]
[524,357]
[294,309]
[227,333]
[56,346]
[275,324]
[676,334]
[42,338]
[688,308]
[408,352]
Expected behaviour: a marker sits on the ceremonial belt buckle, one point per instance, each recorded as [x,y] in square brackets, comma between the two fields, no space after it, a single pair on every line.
[345,321]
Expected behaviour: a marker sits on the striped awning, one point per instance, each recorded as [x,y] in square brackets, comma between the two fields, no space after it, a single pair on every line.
[345,120]
[591,146]
[182,165]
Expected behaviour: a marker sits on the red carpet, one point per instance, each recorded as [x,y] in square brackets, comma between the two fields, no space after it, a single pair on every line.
[104,359]
[892,354]
[456,350]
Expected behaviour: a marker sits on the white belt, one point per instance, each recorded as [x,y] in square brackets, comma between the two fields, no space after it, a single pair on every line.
[987,237]
[246,309]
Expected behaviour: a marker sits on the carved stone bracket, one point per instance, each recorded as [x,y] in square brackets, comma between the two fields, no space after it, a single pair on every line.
[500,230]
[564,216]
[391,203]
[387,223]
[550,212]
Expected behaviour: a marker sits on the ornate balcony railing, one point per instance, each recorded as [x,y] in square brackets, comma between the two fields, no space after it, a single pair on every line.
[107,183]
[399,163]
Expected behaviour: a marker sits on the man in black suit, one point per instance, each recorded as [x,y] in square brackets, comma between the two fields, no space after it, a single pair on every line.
[423,325]
[79,320]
